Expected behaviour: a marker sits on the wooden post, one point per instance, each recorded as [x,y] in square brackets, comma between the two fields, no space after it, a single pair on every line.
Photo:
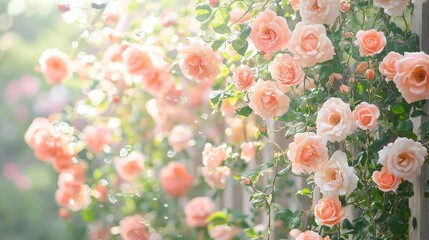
[419,205]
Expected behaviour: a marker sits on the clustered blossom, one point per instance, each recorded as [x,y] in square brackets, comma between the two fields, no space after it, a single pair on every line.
[214,173]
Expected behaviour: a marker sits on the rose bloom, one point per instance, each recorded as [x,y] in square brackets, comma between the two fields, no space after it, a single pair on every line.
[310,235]
[133,228]
[328,212]
[387,66]
[286,70]
[403,158]
[54,65]
[335,120]
[386,181]
[239,16]
[337,177]
[370,42]
[308,153]
[248,151]
[412,78]
[269,32]
[175,179]
[366,115]
[198,210]
[294,4]
[235,130]
[130,167]
[179,137]
[214,156]
[216,176]
[136,59]
[392,7]
[310,44]
[72,199]
[319,11]
[223,232]
[199,62]
[268,100]
[243,77]
[156,80]
[38,126]
[96,137]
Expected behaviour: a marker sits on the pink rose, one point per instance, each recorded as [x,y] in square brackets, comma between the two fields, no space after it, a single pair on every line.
[38,126]
[403,158]
[133,228]
[199,62]
[412,78]
[366,115]
[179,137]
[308,153]
[286,70]
[310,235]
[214,156]
[335,120]
[267,100]
[294,4]
[54,65]
[392,7]
[130,167]
[198,210]
[248,151]
[74,199]
[243,77]
[386,181]
[336,177]
[97,137]
[370,42]
[328,212]
[216,176]
[136,59]
[235,130]
[156,80]
[269,32]
[239,16]
[223,232]
[319,11]
[387,66]
[175,180]
[310,44]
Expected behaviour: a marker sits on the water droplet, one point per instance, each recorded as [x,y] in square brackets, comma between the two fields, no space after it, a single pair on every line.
[155,199]
[165,217]
[71,201]
[166,205]
[108,160]
[184,98]
[112,198]
[74,160]
[205,116]
[179,236]
[104,182]
[171,153]
[75,44]
[123,152]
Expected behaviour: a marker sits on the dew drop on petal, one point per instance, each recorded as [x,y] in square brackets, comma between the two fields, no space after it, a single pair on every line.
[112,198]
[171,153]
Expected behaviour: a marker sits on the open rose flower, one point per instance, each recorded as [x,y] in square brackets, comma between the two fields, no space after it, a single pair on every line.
[370,42]
[216,177]
[308,153]
[156,80]
[366,115]
[310,235]
[136,59]
[286,70]
[328,211]
[223,232]
[392,7]
[198,210]
[74,199]
[337,177]
[319,11]
[403,158]
[199,62]
[269,32]
[310,44]
[214,156]
[54,65]
[243,77]
[267,100]
[96,137]
[386,181]
[130,167]
[387,66]
[412,78]
[179,137]
[335,120]
[248,151]
[133,228]
[175,179]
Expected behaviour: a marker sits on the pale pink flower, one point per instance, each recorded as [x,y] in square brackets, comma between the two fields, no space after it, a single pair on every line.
[310,235]
[286,70]
[386,181]
[366,115]
[268,100]
[216,177]
[54,65]
[136,59]
[328,211]
[319,11]
[179,137]
[387,66]
[130,167]
[223,232]
[248,151]
[370,42]
[214,156]
[175,179]
[243,77]
[198,210]
[96,137]
[392,7]
[133,228]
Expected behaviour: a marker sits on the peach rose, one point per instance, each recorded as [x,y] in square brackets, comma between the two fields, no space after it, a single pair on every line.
[392,7]
[412,78]
[269,32]
[136,59]
[319,11]
[38,126]
[386,181]
[96,137]
[235,130]
[175,180]
[310,235]
[294,4]
[403,158]
[199,62]
[267,100]
[223,232]
[243,77]
[387,66]
[370,42]
[156,80]
[54,65]
[286,70]
[248,151]
[310,44]
[216,176]
[337,177]
[239,16]
[335,120]
[366,115]
[179,137]
[133,228]
[308,153]
[130,167]
[74,200]
[214,156]
[328,212]
[198,210]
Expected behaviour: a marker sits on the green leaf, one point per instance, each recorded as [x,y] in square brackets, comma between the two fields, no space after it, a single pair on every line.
[245,111]
[240,45]
[398,109]
[305,192]
[293,220]
[396,225]
[250,232]
[203,12]
[284,171]
[217,218]
[251,174]
[221,28]
[245,33]
[218,43]
[220,24]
